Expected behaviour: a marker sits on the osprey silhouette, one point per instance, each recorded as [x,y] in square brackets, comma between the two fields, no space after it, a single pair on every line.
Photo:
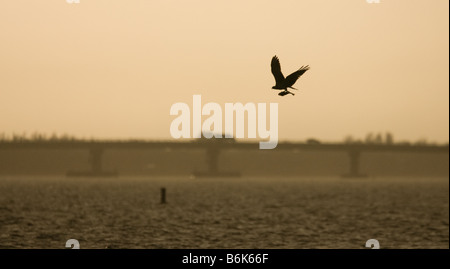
[282,83]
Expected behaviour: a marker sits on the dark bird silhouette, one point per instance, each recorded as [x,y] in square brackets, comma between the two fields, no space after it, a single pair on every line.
[282,83]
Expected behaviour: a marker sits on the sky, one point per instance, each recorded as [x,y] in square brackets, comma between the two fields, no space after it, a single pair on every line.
[113,68]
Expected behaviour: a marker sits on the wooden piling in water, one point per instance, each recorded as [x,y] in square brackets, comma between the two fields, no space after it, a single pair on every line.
[163,195]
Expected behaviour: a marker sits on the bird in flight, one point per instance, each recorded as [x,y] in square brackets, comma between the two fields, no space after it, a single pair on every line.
[282,83]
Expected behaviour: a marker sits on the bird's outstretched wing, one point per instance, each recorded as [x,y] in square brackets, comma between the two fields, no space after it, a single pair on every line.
[292,78]
[276,70]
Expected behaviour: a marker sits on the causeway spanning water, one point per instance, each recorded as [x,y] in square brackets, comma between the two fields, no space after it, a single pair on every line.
[294,213]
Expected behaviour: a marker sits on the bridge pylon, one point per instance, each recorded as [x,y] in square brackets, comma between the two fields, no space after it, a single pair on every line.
[96,153]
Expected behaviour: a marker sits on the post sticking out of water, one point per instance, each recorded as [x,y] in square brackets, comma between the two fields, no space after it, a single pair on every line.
[163,195]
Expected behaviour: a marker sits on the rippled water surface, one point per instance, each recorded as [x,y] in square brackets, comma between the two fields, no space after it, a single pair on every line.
[294,213]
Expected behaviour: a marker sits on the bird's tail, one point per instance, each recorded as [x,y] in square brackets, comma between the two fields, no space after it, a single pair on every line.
[293,88]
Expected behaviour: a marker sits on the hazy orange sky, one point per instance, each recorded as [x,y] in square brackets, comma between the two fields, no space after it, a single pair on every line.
[113,68]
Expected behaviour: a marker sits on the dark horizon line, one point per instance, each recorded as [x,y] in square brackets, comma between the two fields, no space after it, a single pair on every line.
[226,140]
[372,138]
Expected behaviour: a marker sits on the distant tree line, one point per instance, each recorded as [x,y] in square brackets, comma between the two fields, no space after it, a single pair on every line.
[38,137]
[371,138]
[384,139]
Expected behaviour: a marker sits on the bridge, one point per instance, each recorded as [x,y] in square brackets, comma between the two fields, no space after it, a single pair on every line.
[212,149]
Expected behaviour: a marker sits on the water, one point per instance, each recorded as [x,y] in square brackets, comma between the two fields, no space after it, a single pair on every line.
[281,213]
